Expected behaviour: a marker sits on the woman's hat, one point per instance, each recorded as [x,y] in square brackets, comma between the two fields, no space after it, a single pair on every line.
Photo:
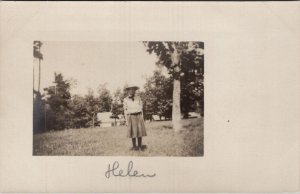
[131,86]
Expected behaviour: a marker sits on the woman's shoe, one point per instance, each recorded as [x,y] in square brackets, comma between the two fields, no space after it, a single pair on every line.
[134,148]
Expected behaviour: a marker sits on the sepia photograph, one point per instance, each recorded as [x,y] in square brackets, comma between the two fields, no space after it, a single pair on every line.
[143,98]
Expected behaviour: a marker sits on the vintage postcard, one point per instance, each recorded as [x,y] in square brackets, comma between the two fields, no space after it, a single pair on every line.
[149,97]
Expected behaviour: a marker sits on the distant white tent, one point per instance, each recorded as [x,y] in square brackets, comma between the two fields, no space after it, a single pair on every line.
[157,118]
[106,120]
[194,115]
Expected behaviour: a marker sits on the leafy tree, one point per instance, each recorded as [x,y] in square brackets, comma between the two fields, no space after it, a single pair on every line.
[105,99]
[59,115]
[148,100]
[92,108]
[157,97]
[117,104]
[80,116]
[192,93]
[181,59]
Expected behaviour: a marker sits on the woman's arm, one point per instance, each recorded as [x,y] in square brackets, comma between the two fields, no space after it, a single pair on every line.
[141,106]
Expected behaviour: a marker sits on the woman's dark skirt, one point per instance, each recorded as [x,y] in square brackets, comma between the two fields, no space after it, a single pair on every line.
[136,126]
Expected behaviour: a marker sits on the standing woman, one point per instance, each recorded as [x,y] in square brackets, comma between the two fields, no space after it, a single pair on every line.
[133,111]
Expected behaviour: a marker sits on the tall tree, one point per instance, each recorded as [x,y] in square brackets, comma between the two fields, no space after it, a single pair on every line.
[38,113]
[37,54]
[93,107]
[117,104]
[38,108]
[178,58]
[105,98]
[59,113]
[157,97]
[80,116]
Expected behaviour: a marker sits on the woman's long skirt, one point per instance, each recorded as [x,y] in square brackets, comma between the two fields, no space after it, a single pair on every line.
[136,126]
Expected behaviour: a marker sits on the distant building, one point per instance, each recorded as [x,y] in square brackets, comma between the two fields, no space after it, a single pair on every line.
[158,118]
[194,115]
[106,120]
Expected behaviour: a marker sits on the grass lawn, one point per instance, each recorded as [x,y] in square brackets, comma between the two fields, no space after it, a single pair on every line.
[161,140]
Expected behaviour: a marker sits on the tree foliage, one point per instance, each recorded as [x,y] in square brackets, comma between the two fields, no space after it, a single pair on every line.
[157,97]
[189,58]
[59,110]
[185,62]
[37,49]
[117,104]
[92,108]
[105,98]
[59,115]
[80,117]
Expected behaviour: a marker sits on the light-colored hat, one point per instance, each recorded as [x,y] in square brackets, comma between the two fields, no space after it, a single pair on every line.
[132,86]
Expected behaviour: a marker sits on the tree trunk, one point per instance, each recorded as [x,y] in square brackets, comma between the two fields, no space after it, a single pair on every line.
[39,75]
[176,112]
[33,77]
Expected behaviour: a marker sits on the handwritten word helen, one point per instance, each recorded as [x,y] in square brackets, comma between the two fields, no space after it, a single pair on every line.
[114,170]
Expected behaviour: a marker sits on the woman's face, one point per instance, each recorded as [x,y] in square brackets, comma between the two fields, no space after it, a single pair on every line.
[131,91]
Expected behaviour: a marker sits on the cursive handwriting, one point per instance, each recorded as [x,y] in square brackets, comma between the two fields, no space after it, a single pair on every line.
[115,171]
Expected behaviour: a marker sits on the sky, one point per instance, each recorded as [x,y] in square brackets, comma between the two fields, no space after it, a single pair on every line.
[95,63]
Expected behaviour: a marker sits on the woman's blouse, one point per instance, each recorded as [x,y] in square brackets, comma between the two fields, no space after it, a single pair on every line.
[132,106]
